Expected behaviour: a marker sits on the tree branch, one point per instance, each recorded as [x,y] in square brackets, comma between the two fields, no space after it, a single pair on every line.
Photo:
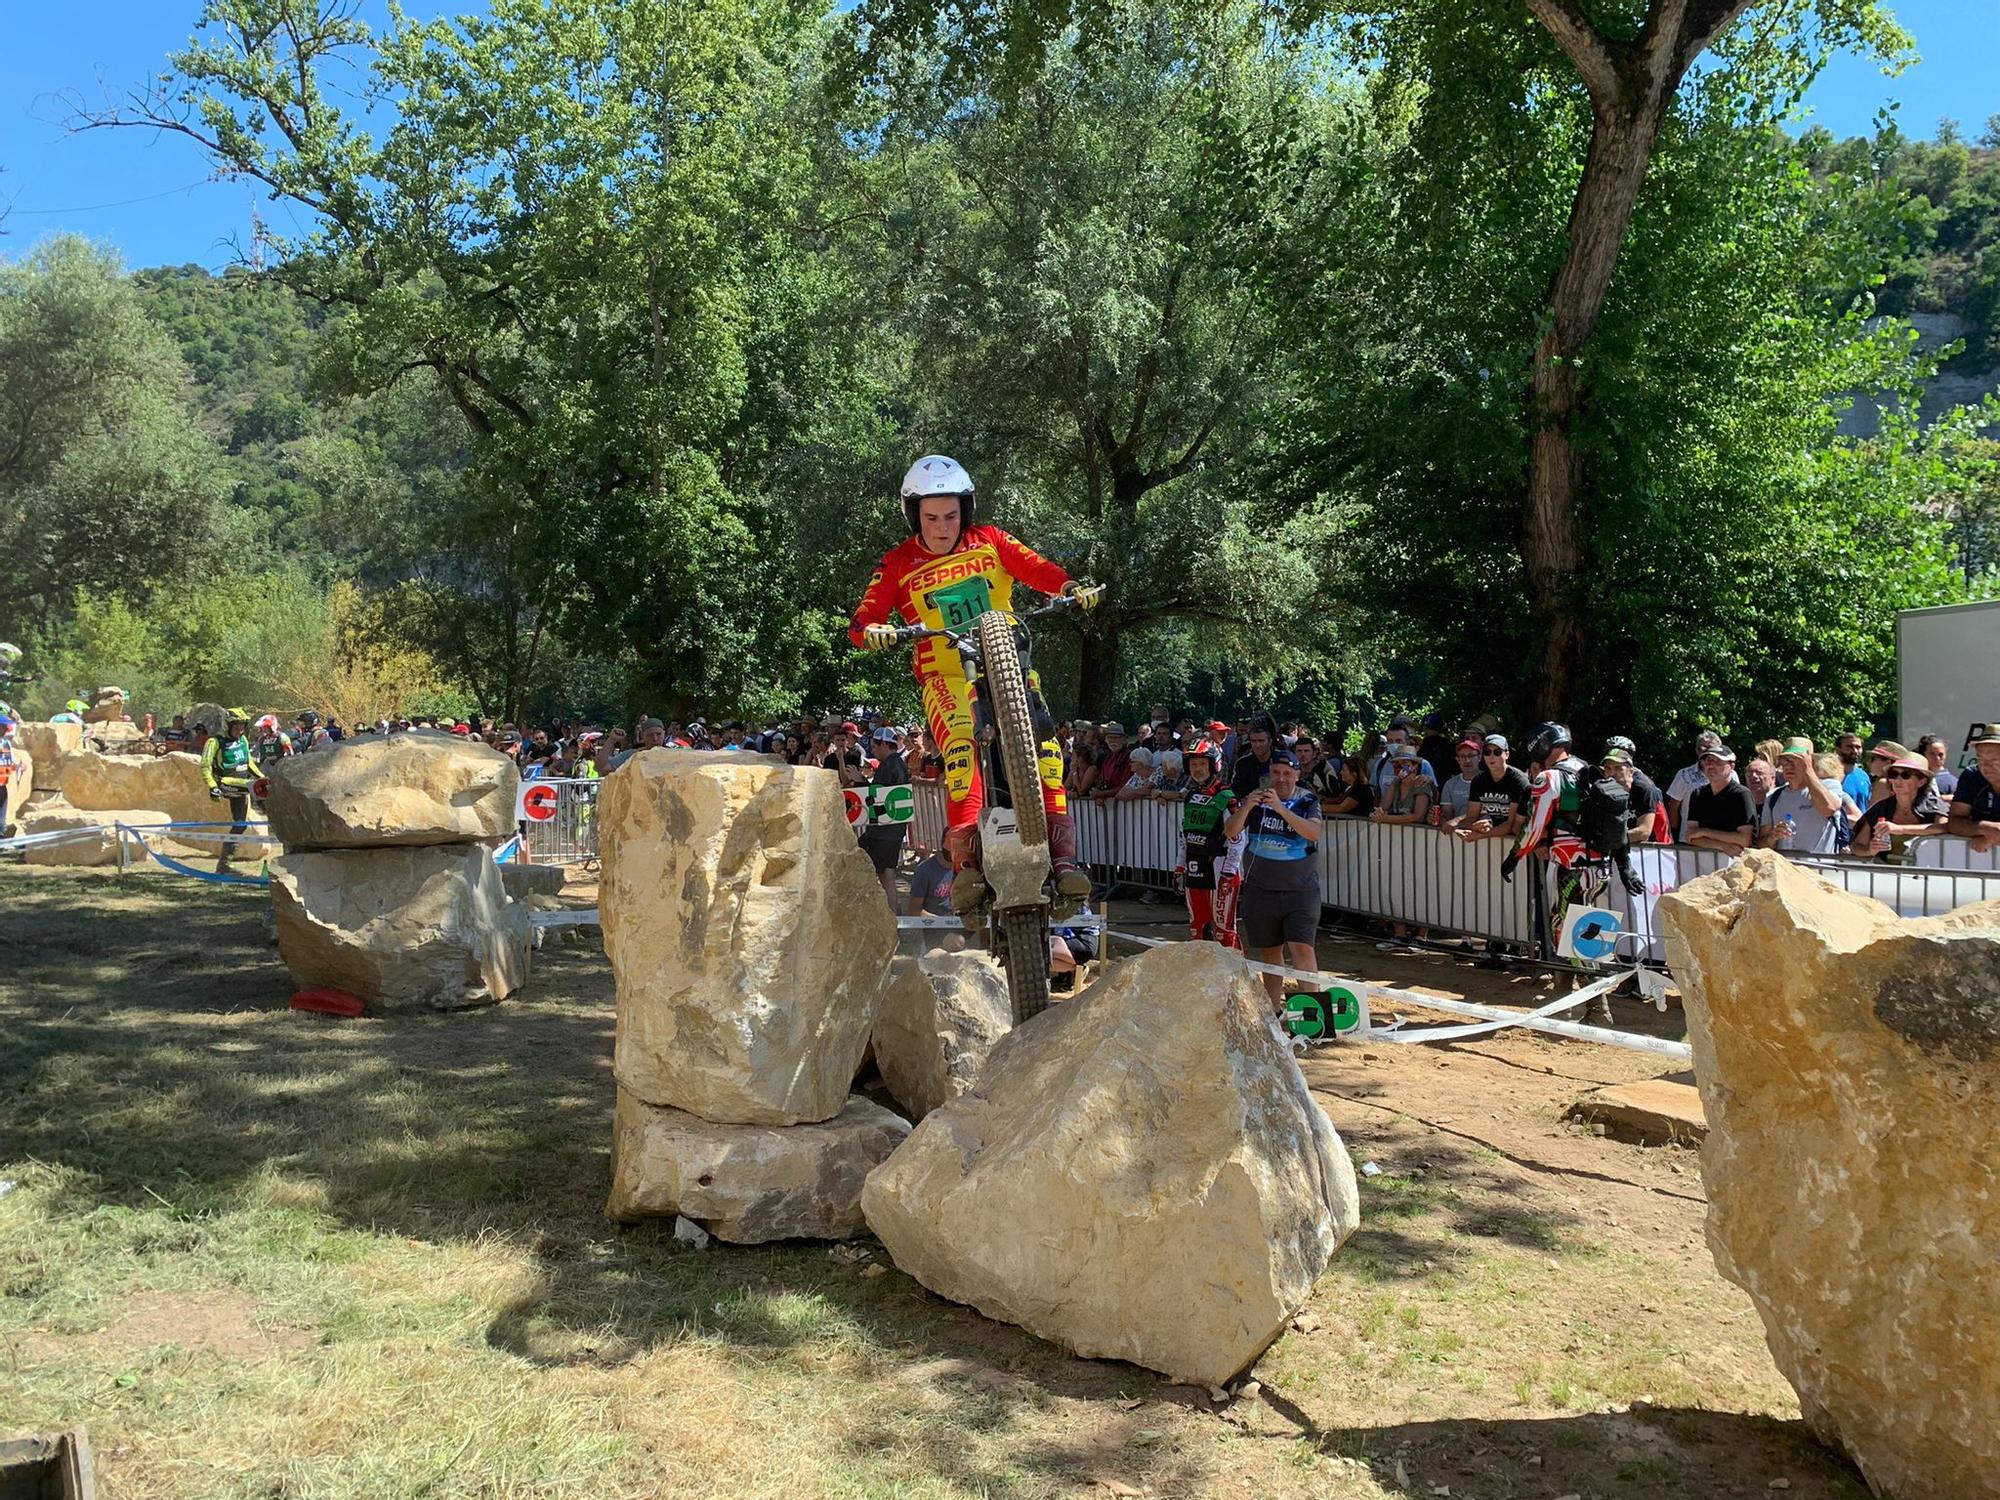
[1582,43]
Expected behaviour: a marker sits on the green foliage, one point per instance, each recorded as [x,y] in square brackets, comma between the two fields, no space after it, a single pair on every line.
[105,480]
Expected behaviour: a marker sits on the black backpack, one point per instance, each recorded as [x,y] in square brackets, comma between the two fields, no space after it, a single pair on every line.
[1603,811]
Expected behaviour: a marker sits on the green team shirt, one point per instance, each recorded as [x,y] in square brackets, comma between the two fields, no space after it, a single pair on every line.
[1202,841]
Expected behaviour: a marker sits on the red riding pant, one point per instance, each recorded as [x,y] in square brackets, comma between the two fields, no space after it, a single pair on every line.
[1212,914]
[948,706]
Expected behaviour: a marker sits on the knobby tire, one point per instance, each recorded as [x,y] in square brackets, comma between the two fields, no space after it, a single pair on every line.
[1024,936]
[1006,689]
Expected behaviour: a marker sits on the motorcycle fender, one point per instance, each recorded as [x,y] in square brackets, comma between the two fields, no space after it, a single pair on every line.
[1016,871]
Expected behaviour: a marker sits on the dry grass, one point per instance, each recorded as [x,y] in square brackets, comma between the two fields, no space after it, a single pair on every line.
[262,1253]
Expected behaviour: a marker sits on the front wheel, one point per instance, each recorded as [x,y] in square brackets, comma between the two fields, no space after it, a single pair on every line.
[1024,954]
[1005,687]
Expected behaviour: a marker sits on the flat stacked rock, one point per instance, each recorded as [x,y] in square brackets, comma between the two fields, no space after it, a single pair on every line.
[171,783]
[1138,1174]
[749,941]
[1849,1066]
[388,889]
[57,816]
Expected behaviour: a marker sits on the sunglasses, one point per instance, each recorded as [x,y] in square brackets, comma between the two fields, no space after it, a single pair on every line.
[1491,754]
[1906,775]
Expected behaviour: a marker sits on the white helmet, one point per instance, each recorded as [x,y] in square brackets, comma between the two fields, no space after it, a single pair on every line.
[11,653]
[931,475]
[268,724]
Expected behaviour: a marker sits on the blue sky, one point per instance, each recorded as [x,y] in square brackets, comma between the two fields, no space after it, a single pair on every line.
[146,193]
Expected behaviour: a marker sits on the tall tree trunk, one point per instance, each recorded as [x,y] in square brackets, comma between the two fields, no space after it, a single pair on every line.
[1632,84]
[1097,670]
[1551,536]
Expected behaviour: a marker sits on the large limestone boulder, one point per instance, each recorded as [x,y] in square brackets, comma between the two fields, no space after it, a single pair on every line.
[1849,1065]
[403,929]
[941,1015]
[749,1183]
[747,933]
[1137,1174]
[172,783]
[376,791]
[57,816]
[49,744]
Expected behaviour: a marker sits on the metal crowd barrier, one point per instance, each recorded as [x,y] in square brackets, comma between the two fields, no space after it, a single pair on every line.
[570,836]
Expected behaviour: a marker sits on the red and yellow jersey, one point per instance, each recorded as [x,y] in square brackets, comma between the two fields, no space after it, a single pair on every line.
[951,589]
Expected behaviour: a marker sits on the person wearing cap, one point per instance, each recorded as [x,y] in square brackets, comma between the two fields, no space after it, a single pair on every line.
[1411,790]
[1975,802]
[1803,815]
[229,766]
[883,842]
[1455,796]
[1720,813]
[1278,917]
[1687,780]
[1114,764]
[1908,811]
[1385,771]
[1646,812]
[1884,755]
[1497,800]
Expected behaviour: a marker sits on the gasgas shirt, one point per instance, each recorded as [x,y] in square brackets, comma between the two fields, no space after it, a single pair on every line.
[950,590]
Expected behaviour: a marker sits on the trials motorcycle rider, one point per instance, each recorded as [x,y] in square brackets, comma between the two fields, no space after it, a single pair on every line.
[949,572]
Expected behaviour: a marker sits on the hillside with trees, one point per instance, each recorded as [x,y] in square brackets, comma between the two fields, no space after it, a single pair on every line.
[595,400]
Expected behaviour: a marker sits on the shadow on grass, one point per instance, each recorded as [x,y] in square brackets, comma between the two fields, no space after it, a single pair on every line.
[145,1045]
[1647,1453]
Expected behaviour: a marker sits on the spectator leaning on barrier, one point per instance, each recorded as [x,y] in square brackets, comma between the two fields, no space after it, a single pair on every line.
[1455,796]
[1353,797]
[1687,780]
[1411,791]
[1170,783]
[1279,915]
[1720,814]
[1885,830]
[1139,782]
[1975,805]
[1803,815]
[1647,825]
[1936,753]
[1497,800]
[1114,765]
[1885,754]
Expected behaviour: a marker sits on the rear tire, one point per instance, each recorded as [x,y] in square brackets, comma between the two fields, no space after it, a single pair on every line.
[1024,936]
[1006,688]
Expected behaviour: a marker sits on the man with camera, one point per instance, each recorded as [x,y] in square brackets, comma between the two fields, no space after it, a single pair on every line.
[1278,917]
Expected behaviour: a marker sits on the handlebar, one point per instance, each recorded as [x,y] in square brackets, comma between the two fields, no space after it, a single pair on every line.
[908,633]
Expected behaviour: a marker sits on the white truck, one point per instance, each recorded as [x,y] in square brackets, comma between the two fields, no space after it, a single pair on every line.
[1947,672]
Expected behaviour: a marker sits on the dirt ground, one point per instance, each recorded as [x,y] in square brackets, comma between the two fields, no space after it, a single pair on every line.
[265,1253]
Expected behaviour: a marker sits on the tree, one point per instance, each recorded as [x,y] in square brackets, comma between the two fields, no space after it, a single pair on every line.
[584,227]
[106,481]
[1071,283]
